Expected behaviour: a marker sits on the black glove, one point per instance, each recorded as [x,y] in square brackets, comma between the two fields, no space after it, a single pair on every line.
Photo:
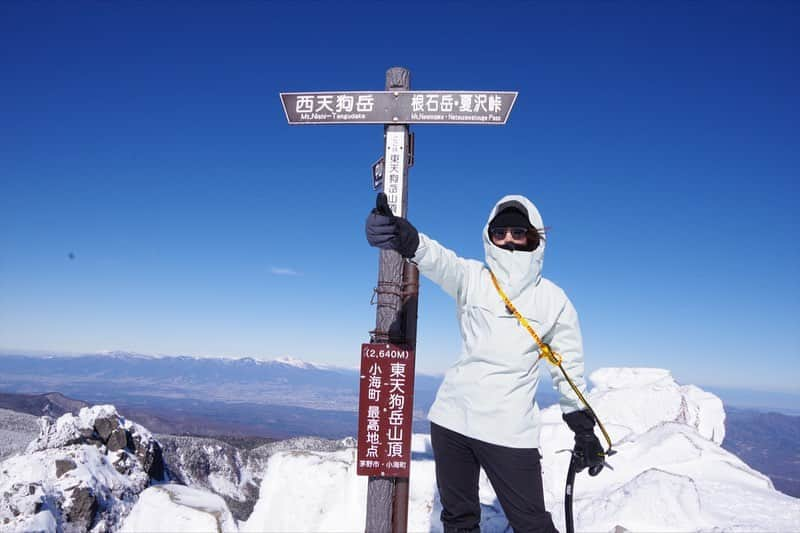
[588,451]
[386,231]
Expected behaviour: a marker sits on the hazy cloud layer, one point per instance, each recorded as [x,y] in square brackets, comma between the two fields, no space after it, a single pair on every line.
[280,271]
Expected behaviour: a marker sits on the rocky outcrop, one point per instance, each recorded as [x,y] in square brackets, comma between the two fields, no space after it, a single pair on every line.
[86,471]
[64,465]
[80,507]
[82,472]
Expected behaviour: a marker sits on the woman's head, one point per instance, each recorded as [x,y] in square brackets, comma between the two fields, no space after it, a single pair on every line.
[512,230]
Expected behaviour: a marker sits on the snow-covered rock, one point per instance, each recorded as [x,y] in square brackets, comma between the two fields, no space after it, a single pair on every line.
[658,399]
[233,473]
[210,464]
[82,473]
[177,508]
[336,488]
[670,473]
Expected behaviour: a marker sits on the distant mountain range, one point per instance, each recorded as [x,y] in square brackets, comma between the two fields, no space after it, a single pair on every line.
[279,399]
[52,404]
[764,401]
[279,382]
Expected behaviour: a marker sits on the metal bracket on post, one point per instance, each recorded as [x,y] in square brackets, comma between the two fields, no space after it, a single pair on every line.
[377,174]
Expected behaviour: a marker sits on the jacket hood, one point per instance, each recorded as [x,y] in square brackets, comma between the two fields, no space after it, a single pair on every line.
[515,270]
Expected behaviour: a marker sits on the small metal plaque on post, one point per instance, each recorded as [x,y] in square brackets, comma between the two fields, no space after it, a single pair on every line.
[377,174]
[399,107]
[385,410]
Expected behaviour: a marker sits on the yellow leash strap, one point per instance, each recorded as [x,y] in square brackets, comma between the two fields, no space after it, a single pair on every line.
[545,352]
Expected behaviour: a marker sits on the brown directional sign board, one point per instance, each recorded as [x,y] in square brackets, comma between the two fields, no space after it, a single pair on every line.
[399,107]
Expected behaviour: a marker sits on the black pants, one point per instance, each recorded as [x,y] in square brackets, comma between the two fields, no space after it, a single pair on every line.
[515,475]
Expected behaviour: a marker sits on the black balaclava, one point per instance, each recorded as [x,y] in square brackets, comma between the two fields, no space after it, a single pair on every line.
[514,217]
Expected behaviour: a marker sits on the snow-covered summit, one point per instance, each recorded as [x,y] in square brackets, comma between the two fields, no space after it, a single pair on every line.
[625,378]
[292,361]
[670,474]
[128,355]
[637,399]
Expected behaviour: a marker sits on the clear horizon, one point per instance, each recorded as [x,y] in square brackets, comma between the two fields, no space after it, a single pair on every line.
[154,200]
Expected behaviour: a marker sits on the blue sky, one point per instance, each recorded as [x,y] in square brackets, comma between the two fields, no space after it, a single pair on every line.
[659,140]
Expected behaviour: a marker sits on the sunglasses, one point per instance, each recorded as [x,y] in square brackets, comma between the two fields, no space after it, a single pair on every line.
[516,233]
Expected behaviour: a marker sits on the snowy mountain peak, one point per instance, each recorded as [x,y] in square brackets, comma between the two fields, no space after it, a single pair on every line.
[297,363]
[624,378]
[127,355]
[634,400]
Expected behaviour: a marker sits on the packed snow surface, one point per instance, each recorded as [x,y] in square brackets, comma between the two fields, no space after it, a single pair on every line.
[171,508]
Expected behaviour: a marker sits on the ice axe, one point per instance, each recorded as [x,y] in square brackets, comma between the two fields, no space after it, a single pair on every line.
[575,460]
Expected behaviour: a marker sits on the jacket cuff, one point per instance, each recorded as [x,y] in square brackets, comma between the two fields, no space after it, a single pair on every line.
[422,249]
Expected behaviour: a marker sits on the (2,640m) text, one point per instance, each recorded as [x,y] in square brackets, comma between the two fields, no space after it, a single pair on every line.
[388,353]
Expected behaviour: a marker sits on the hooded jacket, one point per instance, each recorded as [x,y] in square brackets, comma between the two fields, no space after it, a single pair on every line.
[489,393]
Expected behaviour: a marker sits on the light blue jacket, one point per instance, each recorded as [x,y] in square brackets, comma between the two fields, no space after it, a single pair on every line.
[489,393]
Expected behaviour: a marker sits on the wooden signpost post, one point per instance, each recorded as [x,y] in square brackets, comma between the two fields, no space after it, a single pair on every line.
[387,361]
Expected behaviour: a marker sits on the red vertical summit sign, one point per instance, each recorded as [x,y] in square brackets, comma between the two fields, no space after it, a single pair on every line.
[385,410]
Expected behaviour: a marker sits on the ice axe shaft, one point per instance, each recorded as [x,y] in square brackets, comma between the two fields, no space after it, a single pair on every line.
[568,495]
[574,461]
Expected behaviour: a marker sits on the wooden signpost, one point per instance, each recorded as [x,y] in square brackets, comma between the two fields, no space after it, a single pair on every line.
[387,361]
